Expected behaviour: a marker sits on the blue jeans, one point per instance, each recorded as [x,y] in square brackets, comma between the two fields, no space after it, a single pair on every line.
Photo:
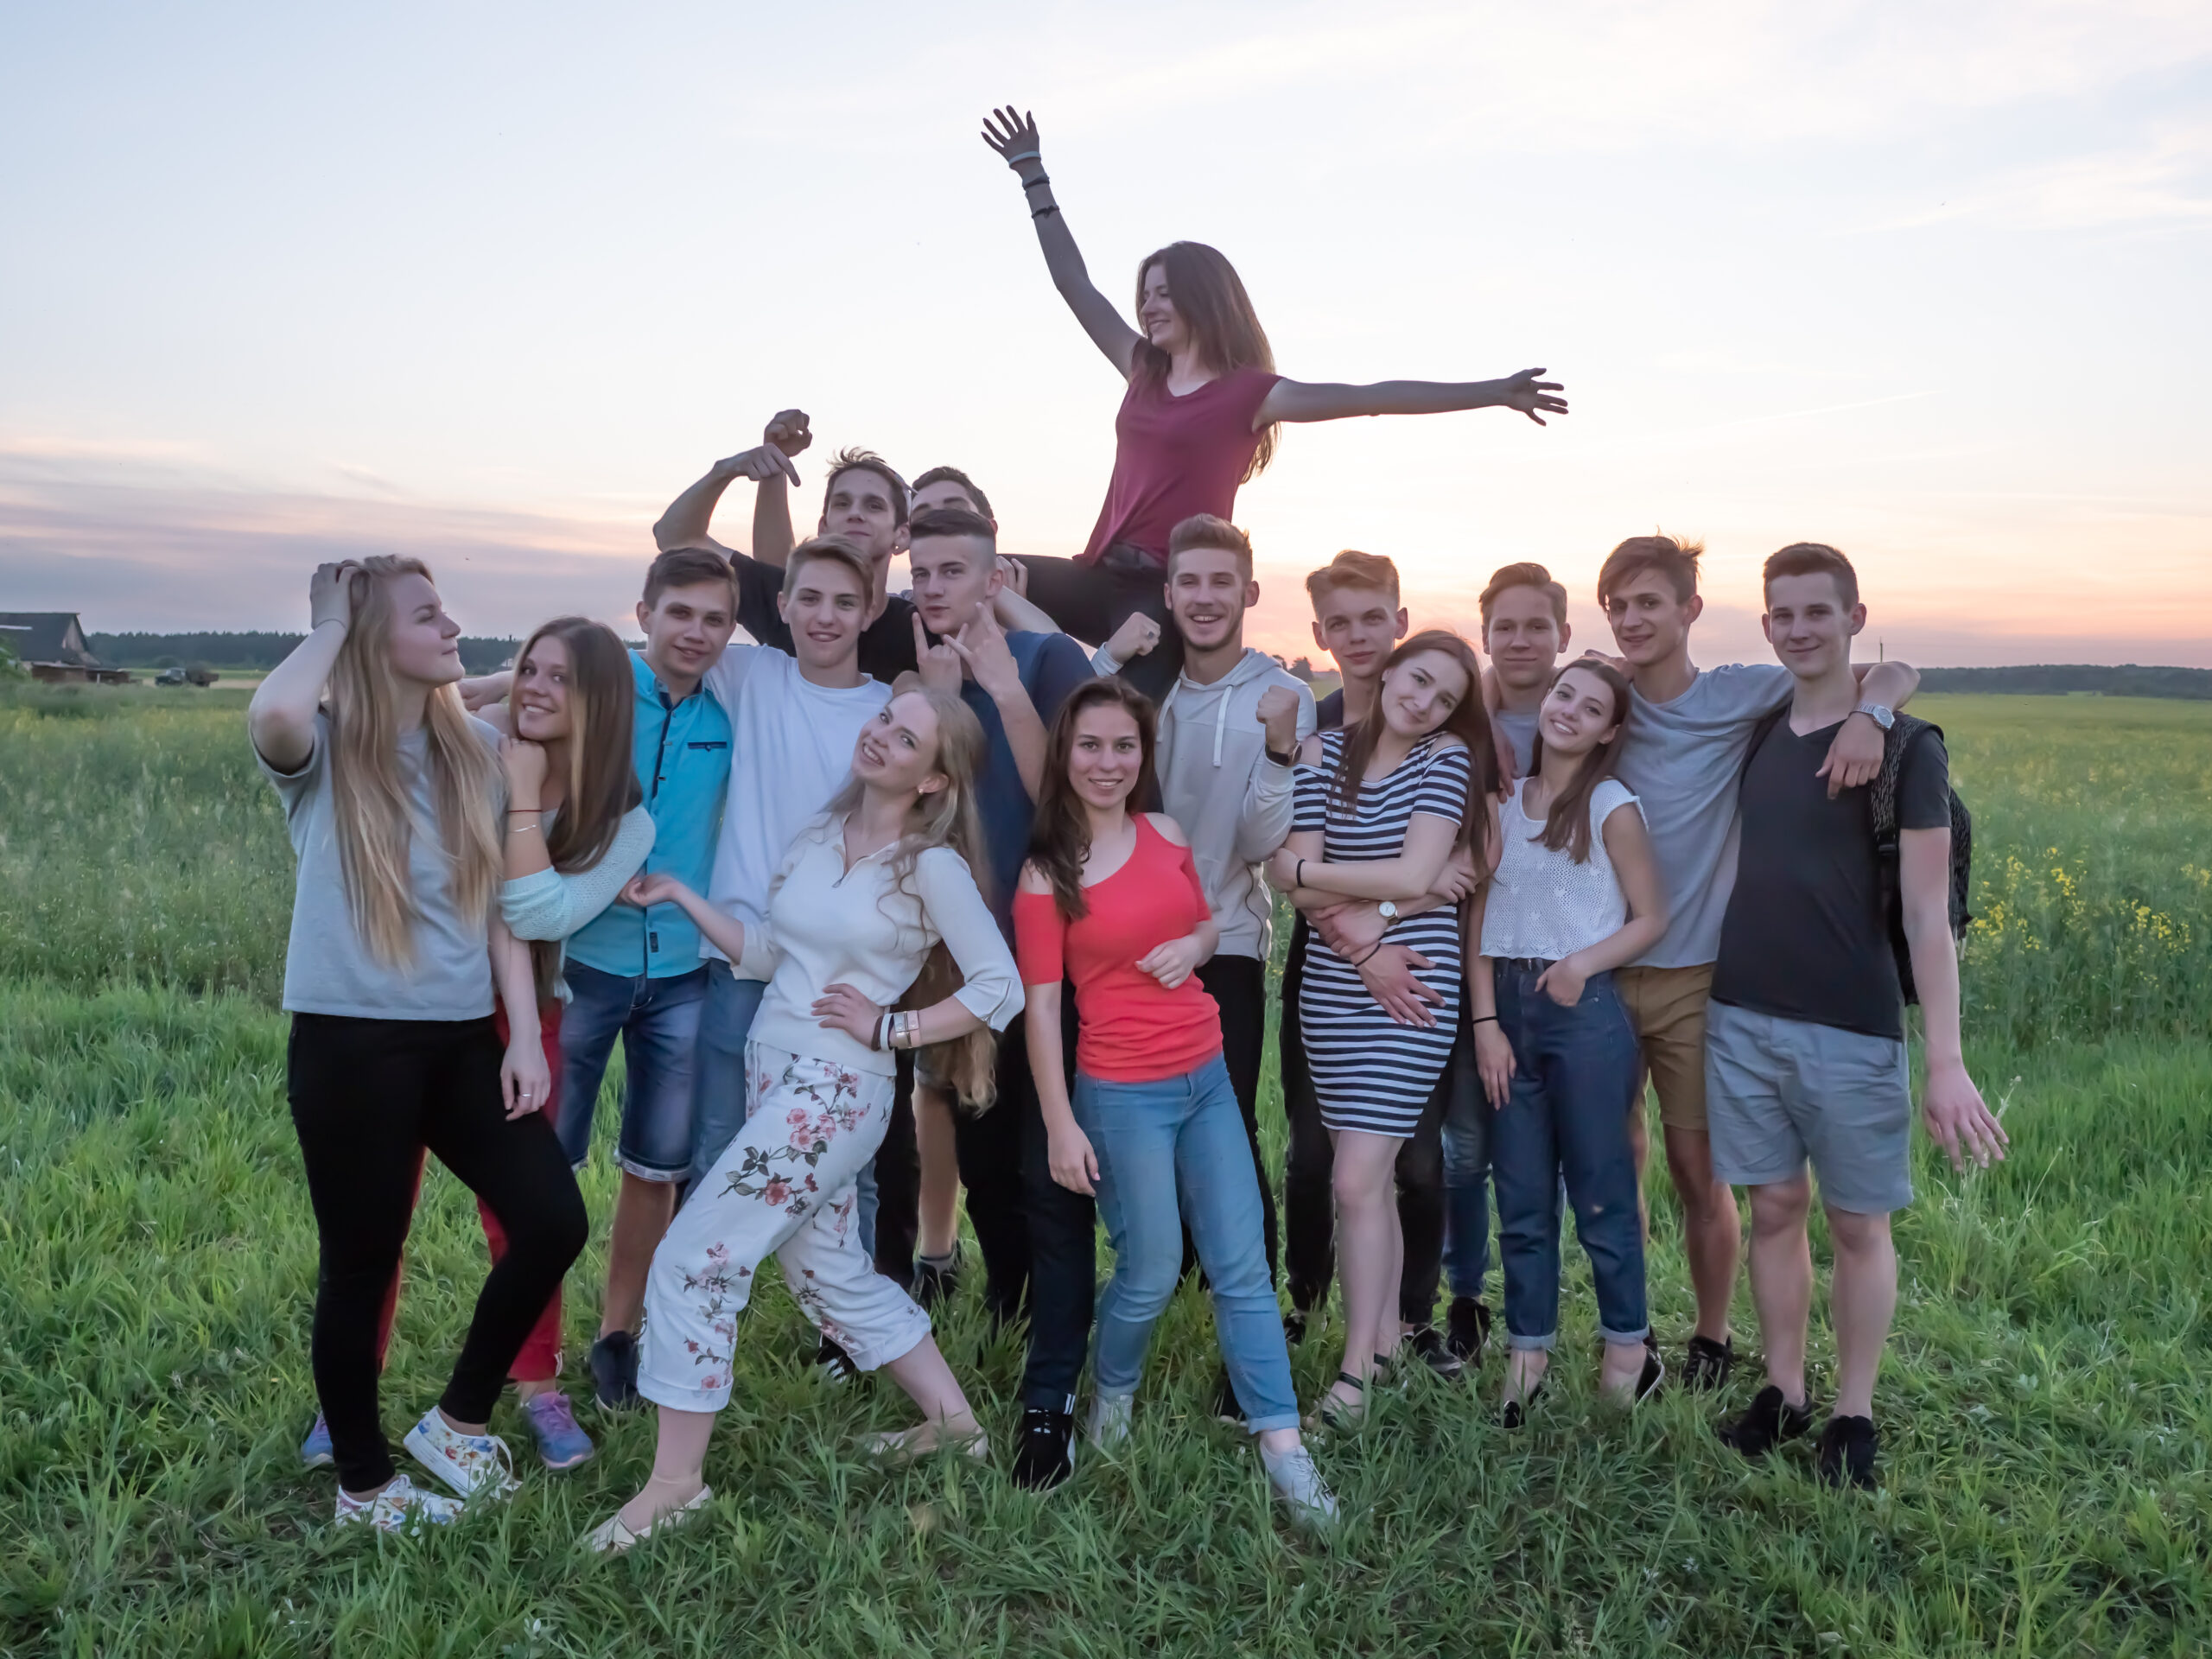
[719,1105]
[657,1021]
[1169,1152]
[1467,1191]
[1575,1072]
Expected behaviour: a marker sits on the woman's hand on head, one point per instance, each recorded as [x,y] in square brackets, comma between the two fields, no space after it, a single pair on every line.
[330,594]
[1172,962]
[525,764]
[839,1008]
[1010,135]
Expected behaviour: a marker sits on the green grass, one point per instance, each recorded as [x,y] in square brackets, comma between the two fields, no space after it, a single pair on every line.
[2048,1452]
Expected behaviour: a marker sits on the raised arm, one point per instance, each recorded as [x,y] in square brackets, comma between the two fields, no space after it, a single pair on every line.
[1855,756]
[1015,138]
[689,516]
[1304,400]
[280,718]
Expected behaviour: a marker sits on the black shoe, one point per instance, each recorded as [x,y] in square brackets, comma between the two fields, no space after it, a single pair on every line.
[1044,1452]
[1432,1351]
[1467,1328]
[1226,1407]
[833,1364]
[1293,1326]
[1706,1364]
[1847,1447]
[1768,1421]
[1517,1411]
[936,1283]
[615,1370]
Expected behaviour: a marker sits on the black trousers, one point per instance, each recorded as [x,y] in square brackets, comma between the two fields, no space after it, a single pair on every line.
[367,1096]
[1038,1240]
[899,1183]
[1308,1197]
[1091,600]
[1238,986]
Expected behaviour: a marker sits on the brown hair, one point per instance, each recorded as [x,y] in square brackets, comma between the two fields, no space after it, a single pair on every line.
[953,521]
[1469,721]
[1674,560]
[1566,818]
[1524,576]
[866,461]
[602,783]
[1205,529]
[1810,559]
[1210,297]
[838,550]
[1352,568]
[686,567]
[1059,839]
[954,476]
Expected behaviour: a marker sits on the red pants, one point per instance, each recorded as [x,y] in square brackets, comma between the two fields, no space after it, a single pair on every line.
[540,1358]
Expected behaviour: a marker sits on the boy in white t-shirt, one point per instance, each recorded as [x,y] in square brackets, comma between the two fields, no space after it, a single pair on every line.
[793,722]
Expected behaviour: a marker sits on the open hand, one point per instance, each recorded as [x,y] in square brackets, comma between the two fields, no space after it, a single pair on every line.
[1073,1163]
[1525,392]
[1011,135]
[1391,977]
[1170,963]
[1494,1063]
[330,594]
[1014,574]
[839,1008]
[1962,1125]
[1855,757]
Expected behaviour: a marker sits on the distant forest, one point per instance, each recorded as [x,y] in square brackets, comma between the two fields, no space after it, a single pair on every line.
[2058,679]
[254,650]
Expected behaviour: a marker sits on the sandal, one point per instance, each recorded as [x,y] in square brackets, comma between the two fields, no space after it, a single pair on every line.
[1338,1414]
[611,1536]
[1517,1411]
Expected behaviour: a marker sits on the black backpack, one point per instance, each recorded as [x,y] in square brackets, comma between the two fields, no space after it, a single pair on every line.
[1899,739]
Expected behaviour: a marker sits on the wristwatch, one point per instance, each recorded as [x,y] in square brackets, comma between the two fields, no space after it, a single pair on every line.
[1388,912]
[1288,760]
[1882,716]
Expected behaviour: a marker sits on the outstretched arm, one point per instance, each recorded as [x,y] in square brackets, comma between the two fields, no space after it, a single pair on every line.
[1015,140]
[685,523]
[1301,400]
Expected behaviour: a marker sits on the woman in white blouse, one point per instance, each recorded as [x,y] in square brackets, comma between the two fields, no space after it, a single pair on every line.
[866,896]
[1575,895]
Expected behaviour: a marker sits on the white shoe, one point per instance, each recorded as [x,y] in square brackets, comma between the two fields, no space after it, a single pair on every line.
[612,1536]
[1107,1424]
[1299,1485]
[400,1507]
[470,1464]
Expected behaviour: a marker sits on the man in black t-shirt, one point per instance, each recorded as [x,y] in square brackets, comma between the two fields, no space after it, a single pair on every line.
[1805,1052]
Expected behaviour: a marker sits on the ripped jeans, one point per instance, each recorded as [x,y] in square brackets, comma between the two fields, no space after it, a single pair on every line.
[1575,1073]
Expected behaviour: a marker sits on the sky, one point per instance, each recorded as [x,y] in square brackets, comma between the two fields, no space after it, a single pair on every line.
[491,284]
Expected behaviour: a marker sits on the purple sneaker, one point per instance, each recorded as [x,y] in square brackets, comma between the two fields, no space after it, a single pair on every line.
[559,1442]
[314,1451]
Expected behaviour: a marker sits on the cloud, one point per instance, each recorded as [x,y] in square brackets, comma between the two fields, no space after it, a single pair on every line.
[2166,180]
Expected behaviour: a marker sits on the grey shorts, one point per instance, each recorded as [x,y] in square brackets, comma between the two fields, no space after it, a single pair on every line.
[1778,1092]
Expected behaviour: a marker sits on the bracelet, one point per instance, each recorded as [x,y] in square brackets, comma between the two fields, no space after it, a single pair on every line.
[1369,956]
[1299,879]
[1024,155]
[1046,211]
[1485,1020]
[1031,184]
[527,811]
[875,1037]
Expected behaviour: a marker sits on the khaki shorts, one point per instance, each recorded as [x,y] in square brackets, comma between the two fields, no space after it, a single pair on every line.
[1667,1008]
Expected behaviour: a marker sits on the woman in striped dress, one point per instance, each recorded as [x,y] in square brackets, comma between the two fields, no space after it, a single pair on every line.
[1380,809]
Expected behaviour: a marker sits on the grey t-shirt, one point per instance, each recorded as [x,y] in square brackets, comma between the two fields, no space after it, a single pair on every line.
[1685,761]
[327,968]
[1521,732]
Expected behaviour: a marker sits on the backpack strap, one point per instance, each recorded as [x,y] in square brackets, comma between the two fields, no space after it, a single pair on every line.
[1895,743]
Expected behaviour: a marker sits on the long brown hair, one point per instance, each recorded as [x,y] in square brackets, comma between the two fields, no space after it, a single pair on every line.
[602,782]
[371,808]
[1059,839]
[1567,816]
[944,817]
[1210,297]
[1469,721]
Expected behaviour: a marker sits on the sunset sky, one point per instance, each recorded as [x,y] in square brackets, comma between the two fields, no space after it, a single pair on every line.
[491,284]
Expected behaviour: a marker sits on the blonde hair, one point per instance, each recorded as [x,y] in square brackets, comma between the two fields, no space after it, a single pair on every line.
[374,818]
[945,817]
[1353,568]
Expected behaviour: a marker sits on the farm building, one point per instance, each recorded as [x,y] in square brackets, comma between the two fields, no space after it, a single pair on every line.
[51,644]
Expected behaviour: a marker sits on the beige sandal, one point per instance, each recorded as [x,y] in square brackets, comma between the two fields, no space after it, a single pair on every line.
[612,1536]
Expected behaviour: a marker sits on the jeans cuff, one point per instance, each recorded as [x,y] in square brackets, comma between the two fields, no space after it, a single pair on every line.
[1547,1341]
[1635,1336]
[1269,1424]
[648,1173]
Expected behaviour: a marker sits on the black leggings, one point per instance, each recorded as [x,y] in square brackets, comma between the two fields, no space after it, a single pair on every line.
[1238,986]
[366,1096]
[1091,600]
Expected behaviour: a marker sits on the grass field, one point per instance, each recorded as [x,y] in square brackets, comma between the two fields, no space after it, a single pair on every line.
[2048,1450]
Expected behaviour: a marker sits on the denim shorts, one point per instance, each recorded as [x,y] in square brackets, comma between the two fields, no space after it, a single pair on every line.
[1779,1092]
[657,1021]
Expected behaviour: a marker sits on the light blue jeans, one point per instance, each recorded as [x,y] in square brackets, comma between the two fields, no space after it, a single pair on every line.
[1172,1151]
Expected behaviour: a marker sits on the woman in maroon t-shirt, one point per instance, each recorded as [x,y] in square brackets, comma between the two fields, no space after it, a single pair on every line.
[1199,417]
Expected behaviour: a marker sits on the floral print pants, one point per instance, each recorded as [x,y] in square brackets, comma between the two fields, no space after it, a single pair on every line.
[785,1186]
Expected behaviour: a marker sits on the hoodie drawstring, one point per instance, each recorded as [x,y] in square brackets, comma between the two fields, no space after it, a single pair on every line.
[1221,715]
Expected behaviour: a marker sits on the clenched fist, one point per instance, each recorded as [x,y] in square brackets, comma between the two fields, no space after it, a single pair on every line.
[1278,713]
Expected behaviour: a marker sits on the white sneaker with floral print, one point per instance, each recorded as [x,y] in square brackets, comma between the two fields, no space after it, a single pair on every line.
[468,1463]
[400,1507]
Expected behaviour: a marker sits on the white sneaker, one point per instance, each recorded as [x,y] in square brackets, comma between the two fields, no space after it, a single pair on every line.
[402,1507]
[470,1464]
[610,1536]
[1299,1485]
[1107,1424]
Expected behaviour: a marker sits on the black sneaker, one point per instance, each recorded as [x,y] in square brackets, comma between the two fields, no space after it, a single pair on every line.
[1706,1364]
[615,1370]
[1293,1326]
[833,1364]
[1769,1421]
[1847,1447]
[1466,1327]
[1044,1452]
[1226,1407]
[1433,1352]
[936,1283]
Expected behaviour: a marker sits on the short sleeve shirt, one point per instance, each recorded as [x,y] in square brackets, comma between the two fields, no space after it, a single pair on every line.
[887,643]
[1806,936]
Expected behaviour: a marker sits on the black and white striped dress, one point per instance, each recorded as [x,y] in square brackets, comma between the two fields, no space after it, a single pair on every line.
[1369,1072]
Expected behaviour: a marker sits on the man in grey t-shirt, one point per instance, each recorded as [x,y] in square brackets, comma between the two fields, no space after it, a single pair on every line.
[1683,752]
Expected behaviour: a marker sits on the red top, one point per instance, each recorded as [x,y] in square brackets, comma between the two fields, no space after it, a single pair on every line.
[1132,1029]
[1177,456]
